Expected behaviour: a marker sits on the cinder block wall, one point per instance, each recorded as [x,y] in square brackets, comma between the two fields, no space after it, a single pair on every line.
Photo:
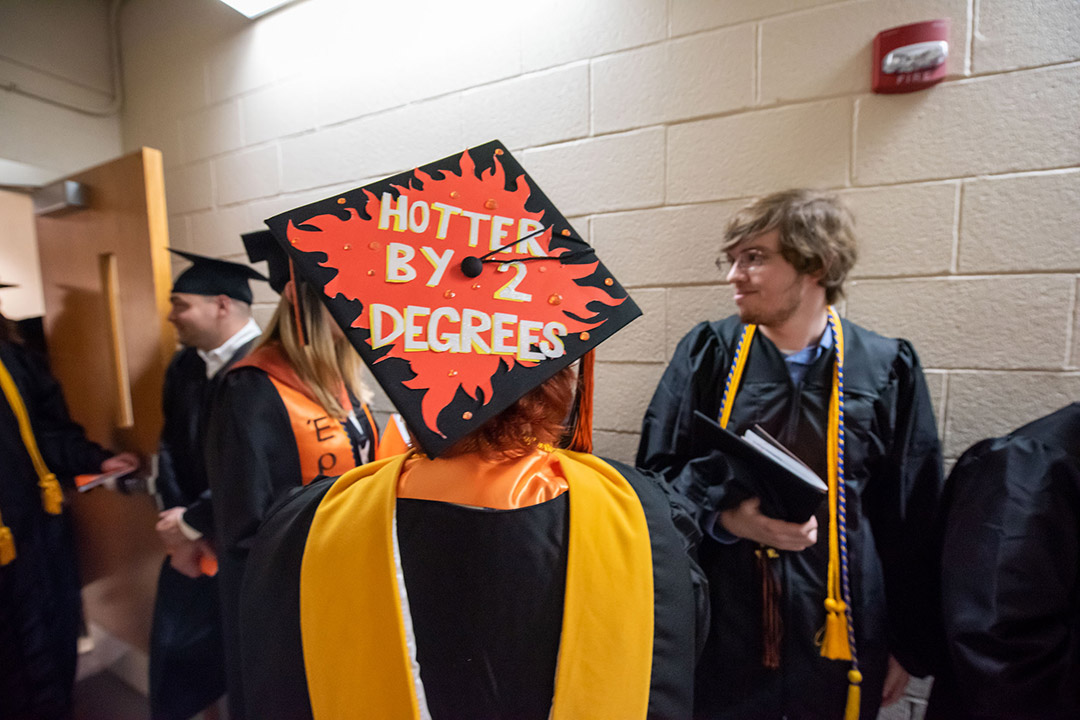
[649,121]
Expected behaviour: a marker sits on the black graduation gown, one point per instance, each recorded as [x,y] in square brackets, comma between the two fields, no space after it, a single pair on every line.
[1011,576]
[187,659]
[485,594]
[893,482]
[40,605]
[252,460]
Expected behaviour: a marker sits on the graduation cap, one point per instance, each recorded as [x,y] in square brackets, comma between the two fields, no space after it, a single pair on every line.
[261,245]
[211,276]
[461,286]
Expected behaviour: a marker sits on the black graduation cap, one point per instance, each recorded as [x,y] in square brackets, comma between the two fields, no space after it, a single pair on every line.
[262,245]
[459,283]
[211,276]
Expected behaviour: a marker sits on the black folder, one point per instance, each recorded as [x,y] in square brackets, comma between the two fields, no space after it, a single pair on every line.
[788,489]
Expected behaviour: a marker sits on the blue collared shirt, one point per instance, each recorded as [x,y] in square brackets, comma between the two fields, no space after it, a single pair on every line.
[799,362]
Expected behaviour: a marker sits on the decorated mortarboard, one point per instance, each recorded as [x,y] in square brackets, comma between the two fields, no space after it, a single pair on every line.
[459,283]
[261,245]
[211,276]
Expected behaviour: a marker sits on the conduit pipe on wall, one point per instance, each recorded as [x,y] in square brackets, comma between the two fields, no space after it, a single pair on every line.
[117,74]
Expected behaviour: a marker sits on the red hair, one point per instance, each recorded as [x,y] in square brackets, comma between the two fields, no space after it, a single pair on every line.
[537,417]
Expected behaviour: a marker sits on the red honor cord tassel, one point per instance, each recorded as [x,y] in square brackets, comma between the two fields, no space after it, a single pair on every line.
[581,439]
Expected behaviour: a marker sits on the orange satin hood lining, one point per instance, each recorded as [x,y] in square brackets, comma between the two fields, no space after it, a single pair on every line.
[497,484]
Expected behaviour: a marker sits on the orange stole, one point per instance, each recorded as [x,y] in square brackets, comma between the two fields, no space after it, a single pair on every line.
[499,484]
[321,441]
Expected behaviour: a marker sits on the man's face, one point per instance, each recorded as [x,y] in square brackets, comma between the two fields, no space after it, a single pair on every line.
[197,319]
[768,289]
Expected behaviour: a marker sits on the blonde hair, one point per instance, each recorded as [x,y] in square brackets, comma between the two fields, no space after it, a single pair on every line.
[324,363]
[817,233]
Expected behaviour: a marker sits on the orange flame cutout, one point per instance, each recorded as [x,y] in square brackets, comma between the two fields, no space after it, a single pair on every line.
[408,255]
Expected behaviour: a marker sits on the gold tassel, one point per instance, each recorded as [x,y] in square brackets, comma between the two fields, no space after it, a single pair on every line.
[834,645]
[854,695]
[52,497]
[7,545]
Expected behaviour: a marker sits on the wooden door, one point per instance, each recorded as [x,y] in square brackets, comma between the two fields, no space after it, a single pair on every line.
[106,280]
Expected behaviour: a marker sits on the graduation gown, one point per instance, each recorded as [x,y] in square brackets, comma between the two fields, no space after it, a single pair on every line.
[40,605]
[486,589]
[893,483]
[1011,577]
[187,659]
[254,456]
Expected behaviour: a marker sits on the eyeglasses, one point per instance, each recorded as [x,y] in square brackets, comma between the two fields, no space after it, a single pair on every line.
[749,260]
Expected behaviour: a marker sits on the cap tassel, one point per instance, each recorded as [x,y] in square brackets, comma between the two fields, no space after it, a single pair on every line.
[52,497]
[7,545]
[581,439]
[298,316]
[854,695]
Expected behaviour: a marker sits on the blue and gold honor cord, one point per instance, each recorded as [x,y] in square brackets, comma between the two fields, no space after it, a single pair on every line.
[838,639]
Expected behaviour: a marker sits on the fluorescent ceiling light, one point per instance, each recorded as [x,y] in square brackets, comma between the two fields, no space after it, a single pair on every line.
[255,8]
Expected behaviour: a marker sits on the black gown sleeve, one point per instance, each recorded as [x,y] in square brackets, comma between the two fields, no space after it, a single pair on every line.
[251,455]
[903,503]
[63,443]
[668,445]
[200,514]
[272,656]
[1011,578]
[181,402]
[166,484]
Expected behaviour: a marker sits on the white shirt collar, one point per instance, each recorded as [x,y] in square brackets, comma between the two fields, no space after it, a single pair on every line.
[215,359]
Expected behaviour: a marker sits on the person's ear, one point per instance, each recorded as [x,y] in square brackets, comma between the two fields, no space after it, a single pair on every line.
[289,292]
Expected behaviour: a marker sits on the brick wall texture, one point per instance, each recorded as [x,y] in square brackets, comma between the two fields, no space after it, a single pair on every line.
[648,122]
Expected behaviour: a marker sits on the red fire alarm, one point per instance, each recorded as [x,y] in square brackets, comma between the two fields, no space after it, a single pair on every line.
[910,57]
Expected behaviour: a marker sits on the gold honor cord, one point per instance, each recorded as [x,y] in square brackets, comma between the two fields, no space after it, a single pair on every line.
[52,498]
[350,571]
[838,639]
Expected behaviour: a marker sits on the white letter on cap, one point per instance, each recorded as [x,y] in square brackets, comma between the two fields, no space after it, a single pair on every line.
[439,262]
[419,224]
[470,332]
[500,333]
[447,342]
[378,339]
[386,209]
[412,330]
[552,344]
[398,269]
[528,335]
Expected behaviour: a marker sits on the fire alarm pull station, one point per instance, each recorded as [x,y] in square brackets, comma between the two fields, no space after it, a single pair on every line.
[910,57]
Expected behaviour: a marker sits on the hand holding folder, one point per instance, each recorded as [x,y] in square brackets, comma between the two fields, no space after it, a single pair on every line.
[788,489]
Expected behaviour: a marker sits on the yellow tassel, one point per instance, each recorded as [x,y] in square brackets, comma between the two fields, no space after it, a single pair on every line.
[854,695]
[52,497]
[834,645]
[7,545]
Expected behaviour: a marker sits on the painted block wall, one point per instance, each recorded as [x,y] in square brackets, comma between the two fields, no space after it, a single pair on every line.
[649,122]
[59,51]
